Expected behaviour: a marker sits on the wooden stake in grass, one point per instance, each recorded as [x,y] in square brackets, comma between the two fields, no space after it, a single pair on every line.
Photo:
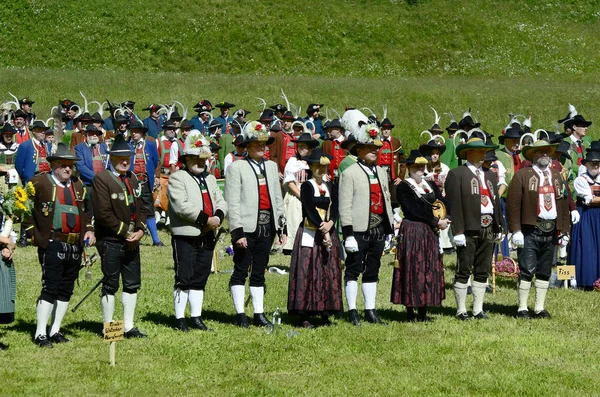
[113,331]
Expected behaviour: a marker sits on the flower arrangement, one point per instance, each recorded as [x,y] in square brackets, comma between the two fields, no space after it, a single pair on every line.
[373,132]
[259,127]
[597,285]
[322,191]
[507,268]
[17,204]
[198,143]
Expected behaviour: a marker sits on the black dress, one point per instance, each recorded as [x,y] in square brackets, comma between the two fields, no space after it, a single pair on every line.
[418,280]
[315,284]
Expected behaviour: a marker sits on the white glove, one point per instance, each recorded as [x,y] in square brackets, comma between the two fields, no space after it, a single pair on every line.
[575,216]
[564,241]
[518,239]
[351,244]
[500,237]
[460,240]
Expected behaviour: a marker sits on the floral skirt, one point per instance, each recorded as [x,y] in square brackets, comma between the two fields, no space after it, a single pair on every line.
[315,284]
[418,279]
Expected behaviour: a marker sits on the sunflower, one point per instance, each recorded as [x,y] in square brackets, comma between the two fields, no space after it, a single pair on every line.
[30,189]
[21,206]
[20,194]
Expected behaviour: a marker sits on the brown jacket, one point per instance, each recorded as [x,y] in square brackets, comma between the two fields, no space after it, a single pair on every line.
[43,209]
[277,150]
[111,212]
[522,200]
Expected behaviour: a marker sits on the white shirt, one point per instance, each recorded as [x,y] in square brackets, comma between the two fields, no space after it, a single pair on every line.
[583,188]
[543,212]
[488,207]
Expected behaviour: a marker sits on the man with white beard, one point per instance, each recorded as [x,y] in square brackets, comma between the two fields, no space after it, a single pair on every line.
[538,211]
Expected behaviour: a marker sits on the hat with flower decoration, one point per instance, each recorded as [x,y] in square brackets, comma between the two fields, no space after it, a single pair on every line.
[255,131]
[197,145]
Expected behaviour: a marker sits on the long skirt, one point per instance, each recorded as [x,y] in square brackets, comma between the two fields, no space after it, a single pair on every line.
[292,209]
[418,279]
[585,250]
[8,291]
[315,283]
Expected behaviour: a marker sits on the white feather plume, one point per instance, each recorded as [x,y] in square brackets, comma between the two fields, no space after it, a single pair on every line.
[287,103]
[572,111]
[437,117]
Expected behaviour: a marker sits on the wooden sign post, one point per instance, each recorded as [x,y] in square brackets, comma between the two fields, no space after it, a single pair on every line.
[565,273]
[113,331]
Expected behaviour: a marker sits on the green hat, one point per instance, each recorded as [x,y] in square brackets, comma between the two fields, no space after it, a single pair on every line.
[473,143]
[528,150]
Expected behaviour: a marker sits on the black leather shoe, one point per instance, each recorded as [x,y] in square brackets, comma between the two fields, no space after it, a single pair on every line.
[463,317]
[135,333]
[523,315]
[42,341]
[261,321]
[181,325]
[242,320]
[469,290]
[410,314]
[307,324]
[59,338]
[543,314]
[481,316]
[372,317]
[353,317]
[159,244]
[3,346]
[197,323]
[23,241]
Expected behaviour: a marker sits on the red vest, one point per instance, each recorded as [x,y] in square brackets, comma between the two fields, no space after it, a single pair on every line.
[265,201]
[60,196]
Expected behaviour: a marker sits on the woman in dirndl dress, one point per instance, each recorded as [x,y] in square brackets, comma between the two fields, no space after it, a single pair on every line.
[585,247]
[436,172]
[8,283]
[294,175]
[418,279]
[315,286]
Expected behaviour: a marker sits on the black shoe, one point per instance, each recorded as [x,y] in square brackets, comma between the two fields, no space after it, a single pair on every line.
[543,314]
[242,320]
[353,317]
[422,316]
[197,323]
[135,333]
[307,324]
[159,244]
[3,346]
[523,315]
[59,338]
[463,317]
[23,241]
[261,321]
[181,325]
[469,290]
[481,316]
[410,314]
[42,341]
[372,317]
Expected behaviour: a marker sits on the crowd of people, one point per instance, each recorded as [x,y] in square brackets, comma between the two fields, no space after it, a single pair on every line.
[332,194]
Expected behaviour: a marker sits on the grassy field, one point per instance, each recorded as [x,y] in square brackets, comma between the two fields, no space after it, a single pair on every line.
[501,356]
[407,99]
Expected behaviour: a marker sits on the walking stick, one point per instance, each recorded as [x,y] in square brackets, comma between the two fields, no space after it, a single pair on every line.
[94,288]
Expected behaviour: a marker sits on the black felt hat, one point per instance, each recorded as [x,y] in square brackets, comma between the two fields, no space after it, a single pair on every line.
[288,116]
[428,147]
[92,129]
[386,123]
[224,105]
[169,125]
[278,108]
[7,128]
[138,125]
[26,101]
[314,107]
[20,113]
[120,147]
[307,139]
[453,127]
[203,106]
[62,153]
[38,124]
[266,115]
[512,132]
[185,124]
[317,156]
[214,125]
[415,157]
[152,107]
[128,104]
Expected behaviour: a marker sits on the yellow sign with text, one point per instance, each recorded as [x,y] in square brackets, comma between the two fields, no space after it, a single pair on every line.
[565,272]
[114,331]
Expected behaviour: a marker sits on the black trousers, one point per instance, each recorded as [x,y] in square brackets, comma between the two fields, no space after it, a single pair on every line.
[192,262]
[476,257]
[254,259]
[117,261]
[537,254]
[60,268]
[367,260]
[146,199]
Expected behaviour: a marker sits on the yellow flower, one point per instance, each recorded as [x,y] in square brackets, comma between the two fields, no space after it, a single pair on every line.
[30,189]
[21,206]
[20,194]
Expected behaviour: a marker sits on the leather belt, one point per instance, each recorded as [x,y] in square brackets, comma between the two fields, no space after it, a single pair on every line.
[69,238]
[546,225]
[375,220]
[486,220]
[264,217]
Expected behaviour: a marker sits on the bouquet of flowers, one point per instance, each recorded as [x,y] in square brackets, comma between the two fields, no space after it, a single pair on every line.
[16,204]
[507,267]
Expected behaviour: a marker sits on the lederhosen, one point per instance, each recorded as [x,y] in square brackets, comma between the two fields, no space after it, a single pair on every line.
[117,259]
[193,255]
[61,259]
[475,257]
[367,260]
[255,258]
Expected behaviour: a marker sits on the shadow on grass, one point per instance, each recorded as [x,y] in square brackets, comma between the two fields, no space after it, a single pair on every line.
[95,327]
[168,320]
[22,326]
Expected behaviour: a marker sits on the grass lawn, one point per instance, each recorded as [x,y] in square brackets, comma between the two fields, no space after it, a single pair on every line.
[445,357]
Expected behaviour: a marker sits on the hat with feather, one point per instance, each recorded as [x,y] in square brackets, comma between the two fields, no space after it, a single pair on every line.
[573,118]
[255,131]
[467,123]
[435,128]
[196,145]
[453,127]
[368,134]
